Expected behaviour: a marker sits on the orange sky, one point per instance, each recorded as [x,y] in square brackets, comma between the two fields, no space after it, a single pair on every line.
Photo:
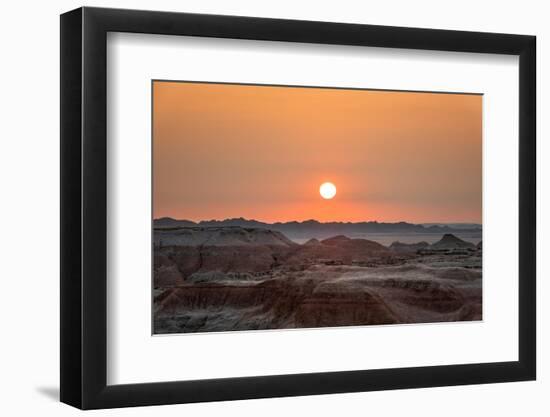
[261,152]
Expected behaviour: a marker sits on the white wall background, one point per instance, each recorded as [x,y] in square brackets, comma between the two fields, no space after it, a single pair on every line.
[29,212]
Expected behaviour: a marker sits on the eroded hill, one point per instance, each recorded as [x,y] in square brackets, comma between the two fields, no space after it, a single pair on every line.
[232,278]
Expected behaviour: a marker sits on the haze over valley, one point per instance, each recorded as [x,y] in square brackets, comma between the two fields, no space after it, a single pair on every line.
[382,232]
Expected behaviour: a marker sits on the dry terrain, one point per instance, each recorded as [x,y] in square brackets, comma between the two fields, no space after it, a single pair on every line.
[234,278]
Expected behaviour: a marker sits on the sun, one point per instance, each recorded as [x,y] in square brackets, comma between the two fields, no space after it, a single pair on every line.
[327,190]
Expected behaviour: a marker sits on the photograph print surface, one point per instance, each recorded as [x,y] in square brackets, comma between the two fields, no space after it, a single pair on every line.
[282,207]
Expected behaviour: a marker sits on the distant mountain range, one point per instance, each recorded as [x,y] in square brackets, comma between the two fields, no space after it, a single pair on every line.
[316,229]
[457,226]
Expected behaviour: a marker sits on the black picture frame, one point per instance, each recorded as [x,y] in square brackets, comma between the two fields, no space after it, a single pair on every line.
[84,207]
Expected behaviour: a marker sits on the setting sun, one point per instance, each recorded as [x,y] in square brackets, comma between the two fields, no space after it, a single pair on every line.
[248,232]
[327,190]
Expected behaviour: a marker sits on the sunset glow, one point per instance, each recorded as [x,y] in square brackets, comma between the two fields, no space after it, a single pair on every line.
[261,152]
[303,207]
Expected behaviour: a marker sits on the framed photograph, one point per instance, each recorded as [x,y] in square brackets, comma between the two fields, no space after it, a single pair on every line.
[257,208]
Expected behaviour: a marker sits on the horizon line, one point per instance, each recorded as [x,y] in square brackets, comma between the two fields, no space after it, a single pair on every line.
[318,221]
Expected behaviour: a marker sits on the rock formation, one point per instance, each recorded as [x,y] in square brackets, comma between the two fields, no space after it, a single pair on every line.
[233,278]
[450,241]
[408,247]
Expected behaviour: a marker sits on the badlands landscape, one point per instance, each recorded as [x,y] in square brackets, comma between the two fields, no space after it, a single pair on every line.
[233,275]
